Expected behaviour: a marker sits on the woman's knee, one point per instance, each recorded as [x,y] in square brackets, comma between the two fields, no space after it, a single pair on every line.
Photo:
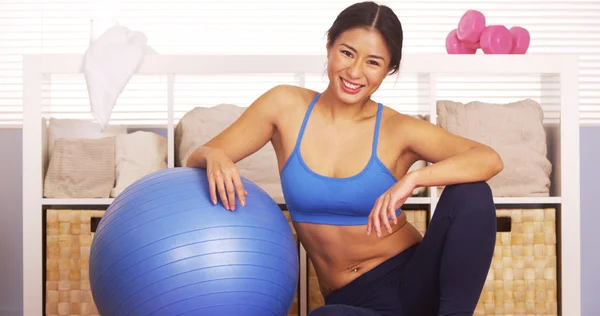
[469,190]
[471,197]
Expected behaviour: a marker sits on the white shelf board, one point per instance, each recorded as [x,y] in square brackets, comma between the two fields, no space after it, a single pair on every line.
[411,200]
[439,63]
[418,200]
[92,201]
[528,200]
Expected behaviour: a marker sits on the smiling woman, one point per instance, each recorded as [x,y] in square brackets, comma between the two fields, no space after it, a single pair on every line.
[344,160]
[376,33]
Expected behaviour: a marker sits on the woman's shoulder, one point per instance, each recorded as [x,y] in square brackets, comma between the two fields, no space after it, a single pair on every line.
[402,126]
[398,130]
[293,94]
[393,120]
[289,98]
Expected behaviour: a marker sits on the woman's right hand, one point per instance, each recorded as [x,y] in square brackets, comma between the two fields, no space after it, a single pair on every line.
[224,179]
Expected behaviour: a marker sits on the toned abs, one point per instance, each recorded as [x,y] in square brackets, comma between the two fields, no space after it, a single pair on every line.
[341,253]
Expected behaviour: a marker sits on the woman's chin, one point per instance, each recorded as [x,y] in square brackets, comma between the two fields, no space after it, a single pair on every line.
[348,96]
[351,98]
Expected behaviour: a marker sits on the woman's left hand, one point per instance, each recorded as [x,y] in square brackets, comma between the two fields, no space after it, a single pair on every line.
[387,204]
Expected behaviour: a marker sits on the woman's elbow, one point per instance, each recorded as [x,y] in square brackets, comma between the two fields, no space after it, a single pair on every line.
[495,163]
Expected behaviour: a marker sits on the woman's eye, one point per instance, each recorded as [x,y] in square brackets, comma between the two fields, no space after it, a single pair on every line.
[347,53]
[372,62]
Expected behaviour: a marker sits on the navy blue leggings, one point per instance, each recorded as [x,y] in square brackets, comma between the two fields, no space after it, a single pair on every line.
[442,275]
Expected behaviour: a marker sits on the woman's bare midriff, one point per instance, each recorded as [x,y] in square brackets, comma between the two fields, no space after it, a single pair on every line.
[340,254]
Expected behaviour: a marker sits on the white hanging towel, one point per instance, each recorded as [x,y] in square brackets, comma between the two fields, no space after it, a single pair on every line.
[108,64]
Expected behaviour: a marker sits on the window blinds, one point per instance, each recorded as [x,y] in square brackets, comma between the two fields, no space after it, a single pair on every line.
[280,27]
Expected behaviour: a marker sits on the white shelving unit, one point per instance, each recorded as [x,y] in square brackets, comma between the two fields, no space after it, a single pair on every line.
[565,150]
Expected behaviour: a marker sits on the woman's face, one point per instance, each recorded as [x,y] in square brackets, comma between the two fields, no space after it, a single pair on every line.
[358,61]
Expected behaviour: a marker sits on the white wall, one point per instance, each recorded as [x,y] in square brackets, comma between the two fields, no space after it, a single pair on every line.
[11,210]
[590,219]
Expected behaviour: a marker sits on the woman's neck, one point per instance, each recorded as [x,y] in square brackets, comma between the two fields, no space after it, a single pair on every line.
[336,110]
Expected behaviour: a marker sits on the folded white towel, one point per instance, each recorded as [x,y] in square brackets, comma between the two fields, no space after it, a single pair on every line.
[108,64]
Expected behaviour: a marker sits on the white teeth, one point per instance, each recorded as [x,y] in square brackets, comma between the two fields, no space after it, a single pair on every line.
[349,85]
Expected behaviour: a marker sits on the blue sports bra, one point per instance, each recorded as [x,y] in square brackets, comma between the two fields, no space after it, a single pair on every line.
[314,198]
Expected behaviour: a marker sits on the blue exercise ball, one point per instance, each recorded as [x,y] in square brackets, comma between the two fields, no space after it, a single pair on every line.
[163,248]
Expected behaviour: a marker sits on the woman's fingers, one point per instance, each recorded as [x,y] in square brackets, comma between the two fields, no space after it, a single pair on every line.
[391,210]
[230,192]
[222,190]
[376,225]
[383,214]
[228,185]
[212,188]
[371,219]
[239,189]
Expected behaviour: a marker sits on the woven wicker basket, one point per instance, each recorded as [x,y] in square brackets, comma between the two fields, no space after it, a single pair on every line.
[68,240]
[523,277]
[416,217]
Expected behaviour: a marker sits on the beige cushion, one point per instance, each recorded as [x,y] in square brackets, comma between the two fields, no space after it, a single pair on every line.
[76,128]
[515,130]
[137,155]
[81,168]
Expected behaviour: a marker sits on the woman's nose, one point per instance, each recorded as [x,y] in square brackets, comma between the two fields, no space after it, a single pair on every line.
[355,70]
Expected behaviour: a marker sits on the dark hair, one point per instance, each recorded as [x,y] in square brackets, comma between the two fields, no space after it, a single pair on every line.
[374,16]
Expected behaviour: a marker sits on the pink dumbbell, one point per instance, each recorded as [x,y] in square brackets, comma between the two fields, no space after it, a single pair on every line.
[456,46]
[520,40]
[470,26]
[472,34]
[496,39]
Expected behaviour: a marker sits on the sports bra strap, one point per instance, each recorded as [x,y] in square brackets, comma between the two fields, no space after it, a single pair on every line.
[306,116]
[312,105]
[377,123]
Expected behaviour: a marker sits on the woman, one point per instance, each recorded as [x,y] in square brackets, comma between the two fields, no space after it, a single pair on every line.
[343,160]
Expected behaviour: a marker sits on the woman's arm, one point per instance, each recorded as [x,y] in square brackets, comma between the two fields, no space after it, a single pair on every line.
[249,133]
[454,159]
